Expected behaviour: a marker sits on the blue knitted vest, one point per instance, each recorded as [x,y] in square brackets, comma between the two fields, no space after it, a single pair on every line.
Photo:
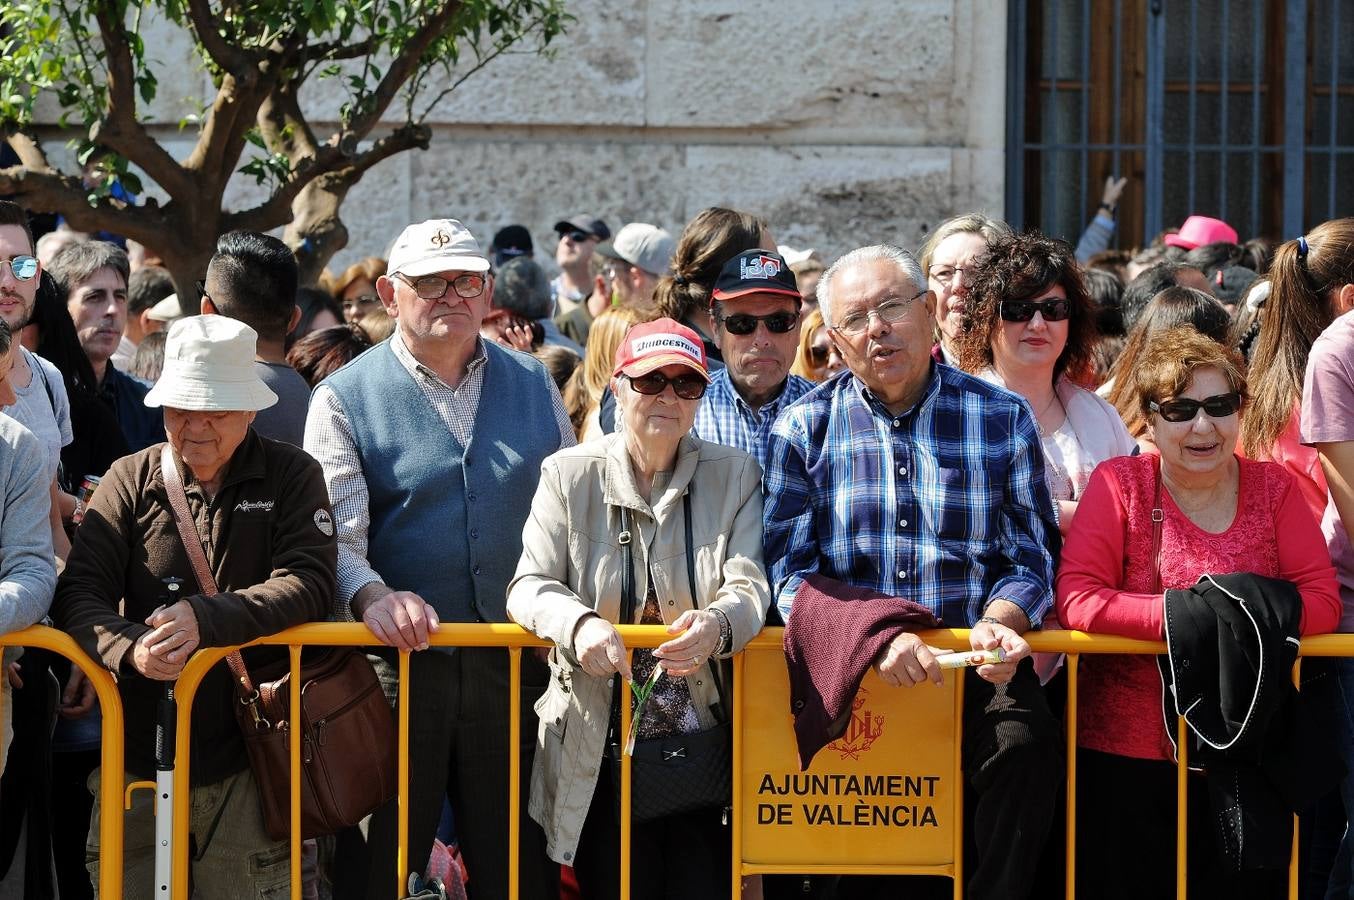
[446,520]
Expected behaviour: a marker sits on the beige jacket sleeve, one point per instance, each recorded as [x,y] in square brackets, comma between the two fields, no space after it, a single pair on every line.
[744,593]
[539,598]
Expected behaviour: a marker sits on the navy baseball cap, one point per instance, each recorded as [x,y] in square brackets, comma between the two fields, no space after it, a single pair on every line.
[756,272]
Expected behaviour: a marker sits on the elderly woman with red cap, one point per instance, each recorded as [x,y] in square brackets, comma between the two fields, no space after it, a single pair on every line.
[650,525]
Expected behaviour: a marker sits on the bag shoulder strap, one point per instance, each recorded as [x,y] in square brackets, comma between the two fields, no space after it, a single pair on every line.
[626,539]
[1157,518]
[202,570]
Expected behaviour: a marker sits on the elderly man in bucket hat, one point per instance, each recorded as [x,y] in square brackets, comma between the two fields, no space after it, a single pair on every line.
[262,512]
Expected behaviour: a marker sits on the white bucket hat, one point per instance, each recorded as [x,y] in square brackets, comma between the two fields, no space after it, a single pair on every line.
[209,367]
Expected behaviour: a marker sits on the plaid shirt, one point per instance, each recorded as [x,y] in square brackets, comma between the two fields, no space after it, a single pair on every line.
[944,504]
[724,417]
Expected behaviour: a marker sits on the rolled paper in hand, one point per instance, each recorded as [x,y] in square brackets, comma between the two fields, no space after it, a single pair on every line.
[960,659]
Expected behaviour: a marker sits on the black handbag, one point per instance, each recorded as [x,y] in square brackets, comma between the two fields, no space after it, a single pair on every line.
[683,772]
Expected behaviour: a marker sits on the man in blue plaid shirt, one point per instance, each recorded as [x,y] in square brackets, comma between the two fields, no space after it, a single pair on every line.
[755,310]
[916,480]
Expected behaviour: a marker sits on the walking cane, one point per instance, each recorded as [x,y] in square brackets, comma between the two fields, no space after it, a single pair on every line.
[165,722]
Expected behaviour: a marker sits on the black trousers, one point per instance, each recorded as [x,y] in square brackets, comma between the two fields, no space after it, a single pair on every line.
[684,857]
[1013,774]
[1126,835]
[458,748]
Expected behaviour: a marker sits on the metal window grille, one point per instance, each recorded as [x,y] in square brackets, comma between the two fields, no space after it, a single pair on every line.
[1240,109]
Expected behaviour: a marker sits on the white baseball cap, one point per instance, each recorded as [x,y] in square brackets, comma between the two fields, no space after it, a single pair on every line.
[209,367]
[437,245]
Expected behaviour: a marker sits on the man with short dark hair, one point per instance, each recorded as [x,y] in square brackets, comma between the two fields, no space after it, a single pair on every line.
[252,278]
[1152,281]
[578,238]
[146,287]
[755,310]
[94,276]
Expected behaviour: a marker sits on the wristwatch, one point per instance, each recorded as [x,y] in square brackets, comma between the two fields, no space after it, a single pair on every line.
[725,633]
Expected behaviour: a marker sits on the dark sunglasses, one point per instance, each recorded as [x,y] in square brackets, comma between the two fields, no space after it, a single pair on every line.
[688,386]
[819,355]
[577,237]
[1183,409]
[1053,310]
[743,324]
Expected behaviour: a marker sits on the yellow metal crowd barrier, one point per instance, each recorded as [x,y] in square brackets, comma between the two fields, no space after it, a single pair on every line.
[110,787]
[924,768]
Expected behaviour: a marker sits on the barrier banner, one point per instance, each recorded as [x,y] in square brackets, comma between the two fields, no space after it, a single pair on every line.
[883,794]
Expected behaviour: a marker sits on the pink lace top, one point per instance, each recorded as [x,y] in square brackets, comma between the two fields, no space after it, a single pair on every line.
[1105,582]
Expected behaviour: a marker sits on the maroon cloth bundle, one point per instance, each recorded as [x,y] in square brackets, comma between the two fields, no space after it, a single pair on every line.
[833,636]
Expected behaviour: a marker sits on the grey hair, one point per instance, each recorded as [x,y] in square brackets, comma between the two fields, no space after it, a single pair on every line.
[905,262]
[78,262]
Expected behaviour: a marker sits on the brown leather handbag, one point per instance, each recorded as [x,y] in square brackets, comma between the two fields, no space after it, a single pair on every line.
[348,740]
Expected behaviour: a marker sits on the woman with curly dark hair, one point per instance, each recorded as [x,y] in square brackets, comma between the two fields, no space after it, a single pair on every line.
[1030,327]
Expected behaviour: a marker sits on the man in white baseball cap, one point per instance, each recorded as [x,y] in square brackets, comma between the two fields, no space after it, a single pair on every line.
[431,489]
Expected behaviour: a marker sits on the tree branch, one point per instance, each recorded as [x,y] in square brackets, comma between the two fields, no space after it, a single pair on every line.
[119,128]
[52,191]
[402,67]
[277,209]
[28,148]
[227,56]
[283,124]
[337,50]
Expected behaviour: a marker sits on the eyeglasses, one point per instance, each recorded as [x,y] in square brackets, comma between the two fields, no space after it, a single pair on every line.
[23,267]
[363,301]
[945,274]
[434,287]
[1054,309]
[890,312]
[1182,409]
[577,237]
[744,324]
[689,386]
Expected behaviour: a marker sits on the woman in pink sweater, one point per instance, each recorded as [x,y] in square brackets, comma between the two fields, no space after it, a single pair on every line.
[1222,514]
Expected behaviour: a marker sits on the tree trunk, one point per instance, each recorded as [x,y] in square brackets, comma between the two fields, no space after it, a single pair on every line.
[316,232]
[187,269]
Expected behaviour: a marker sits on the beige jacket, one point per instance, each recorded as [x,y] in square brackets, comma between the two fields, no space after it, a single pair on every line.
[571,568]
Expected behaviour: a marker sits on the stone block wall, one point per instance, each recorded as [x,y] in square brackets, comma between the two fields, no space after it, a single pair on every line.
[840,123]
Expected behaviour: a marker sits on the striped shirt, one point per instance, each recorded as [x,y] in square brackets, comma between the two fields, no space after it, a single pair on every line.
[724,417]
[329,438]
[944,504]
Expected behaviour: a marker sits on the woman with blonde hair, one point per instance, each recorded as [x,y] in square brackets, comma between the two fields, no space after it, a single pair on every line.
[584,390]
[817,359]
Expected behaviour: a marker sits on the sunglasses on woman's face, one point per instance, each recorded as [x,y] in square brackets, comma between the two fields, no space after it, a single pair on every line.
[819,354]
[744,324]
[1054,309]
[688,386]
[1182,409]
